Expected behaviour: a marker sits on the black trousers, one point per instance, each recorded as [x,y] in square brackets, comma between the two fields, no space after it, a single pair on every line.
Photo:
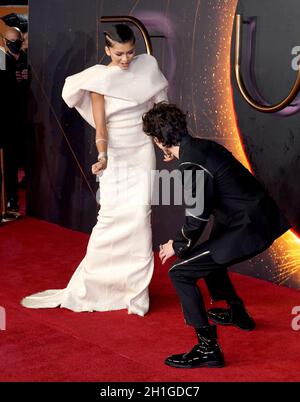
[11,170]
[184,275]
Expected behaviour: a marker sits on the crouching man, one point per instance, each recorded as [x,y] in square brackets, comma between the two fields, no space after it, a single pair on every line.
[246,222]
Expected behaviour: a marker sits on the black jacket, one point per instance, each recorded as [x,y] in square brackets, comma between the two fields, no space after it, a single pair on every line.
[246,219]
[8,98]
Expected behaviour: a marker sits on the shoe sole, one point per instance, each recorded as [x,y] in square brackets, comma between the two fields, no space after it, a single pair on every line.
[208,365]
[232,325]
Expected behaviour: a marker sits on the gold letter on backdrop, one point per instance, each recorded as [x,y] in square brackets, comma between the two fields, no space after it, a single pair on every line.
[242,87]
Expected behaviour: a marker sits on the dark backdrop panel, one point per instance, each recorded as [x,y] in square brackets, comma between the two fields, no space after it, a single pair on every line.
[65,37]
[272,141]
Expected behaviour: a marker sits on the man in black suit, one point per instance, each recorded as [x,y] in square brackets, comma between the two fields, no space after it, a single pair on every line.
[246,222]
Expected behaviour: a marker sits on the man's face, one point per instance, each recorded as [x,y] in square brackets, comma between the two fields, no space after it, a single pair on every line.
[11,35]
[158,144]
[167,154]
[13,40]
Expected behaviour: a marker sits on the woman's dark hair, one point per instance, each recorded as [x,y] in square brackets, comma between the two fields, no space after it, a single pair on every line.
[166,122]
[120,33]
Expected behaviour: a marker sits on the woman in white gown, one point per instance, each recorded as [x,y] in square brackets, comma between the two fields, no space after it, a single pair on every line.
[118,265]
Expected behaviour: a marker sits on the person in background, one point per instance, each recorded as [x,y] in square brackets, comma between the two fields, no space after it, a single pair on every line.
[11,111]
[22,93]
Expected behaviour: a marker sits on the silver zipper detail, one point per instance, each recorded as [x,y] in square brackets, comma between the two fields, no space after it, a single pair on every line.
[189,240]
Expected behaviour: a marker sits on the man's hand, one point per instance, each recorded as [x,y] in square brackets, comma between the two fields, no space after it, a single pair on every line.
[98,167]
[25,74]
[166,251]
[19,76]
[168,157]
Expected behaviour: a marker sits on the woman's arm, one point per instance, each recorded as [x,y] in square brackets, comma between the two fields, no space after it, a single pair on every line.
[101,131]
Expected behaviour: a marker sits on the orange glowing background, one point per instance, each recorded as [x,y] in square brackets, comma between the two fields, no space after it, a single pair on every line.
[285,251]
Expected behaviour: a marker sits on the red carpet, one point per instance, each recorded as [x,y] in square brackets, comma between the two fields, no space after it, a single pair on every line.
[59,345]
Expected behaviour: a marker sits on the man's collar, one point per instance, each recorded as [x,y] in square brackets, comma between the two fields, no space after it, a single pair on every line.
[184,141]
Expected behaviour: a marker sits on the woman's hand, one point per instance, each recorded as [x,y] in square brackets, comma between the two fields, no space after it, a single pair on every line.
[166,251]
[98,167]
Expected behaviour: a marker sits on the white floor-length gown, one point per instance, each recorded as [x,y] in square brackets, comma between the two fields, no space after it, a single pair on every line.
[118,265]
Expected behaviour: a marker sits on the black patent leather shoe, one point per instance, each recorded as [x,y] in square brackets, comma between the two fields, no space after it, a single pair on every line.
[197,357]
[13,205]
[235,316]
[206,353]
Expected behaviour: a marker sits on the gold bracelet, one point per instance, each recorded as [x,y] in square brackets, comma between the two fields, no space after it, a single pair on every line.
[100,139]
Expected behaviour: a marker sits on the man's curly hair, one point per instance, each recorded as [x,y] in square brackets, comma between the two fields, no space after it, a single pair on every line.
[166,122]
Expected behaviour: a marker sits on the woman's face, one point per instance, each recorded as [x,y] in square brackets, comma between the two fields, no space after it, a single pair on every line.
[121,54]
